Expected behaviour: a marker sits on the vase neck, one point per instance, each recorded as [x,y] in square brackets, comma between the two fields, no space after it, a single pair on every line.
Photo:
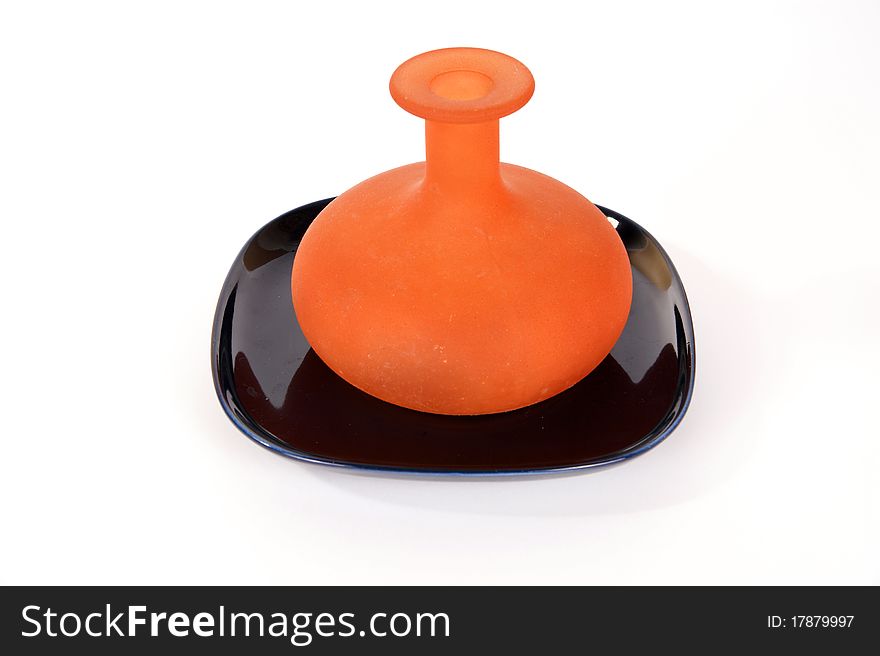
[462,157]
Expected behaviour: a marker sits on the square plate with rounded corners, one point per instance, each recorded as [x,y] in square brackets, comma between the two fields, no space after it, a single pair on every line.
[278,392]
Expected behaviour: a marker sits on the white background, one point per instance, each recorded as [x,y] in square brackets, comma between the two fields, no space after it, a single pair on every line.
[142,143]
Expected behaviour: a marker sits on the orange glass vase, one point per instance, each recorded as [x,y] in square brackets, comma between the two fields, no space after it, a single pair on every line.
[461,285]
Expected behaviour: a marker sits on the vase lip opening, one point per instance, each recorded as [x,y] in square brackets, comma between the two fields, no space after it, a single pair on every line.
[462,85]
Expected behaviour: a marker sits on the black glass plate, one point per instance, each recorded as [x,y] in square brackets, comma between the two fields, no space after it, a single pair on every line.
[278,392]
